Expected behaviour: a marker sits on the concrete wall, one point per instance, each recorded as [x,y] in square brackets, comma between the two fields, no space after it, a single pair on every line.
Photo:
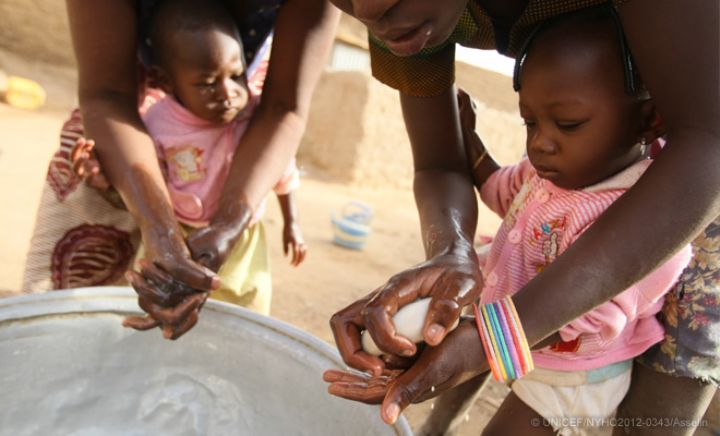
[36,29]
[356,132]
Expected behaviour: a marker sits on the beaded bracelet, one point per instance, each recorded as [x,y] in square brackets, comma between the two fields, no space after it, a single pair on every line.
[503,340]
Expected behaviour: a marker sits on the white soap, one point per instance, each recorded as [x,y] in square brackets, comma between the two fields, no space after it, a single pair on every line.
[408,322]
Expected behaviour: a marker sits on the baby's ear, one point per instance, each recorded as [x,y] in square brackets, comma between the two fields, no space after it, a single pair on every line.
[652,125]
[159,77]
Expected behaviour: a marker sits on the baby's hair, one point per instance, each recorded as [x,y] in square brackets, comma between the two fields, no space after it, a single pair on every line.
[168,17]
[598,14]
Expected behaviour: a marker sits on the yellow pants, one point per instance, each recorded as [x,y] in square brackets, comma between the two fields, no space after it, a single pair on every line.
[245,275]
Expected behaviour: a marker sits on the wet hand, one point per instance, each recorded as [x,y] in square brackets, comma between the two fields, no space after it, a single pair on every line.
[437,369]
[211,245]
[170,303]
[452,280]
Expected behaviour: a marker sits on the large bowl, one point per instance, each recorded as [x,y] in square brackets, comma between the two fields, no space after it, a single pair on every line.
[68,367]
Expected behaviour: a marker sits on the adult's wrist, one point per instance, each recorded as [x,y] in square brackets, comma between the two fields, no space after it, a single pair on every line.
[233,215]
[472,349]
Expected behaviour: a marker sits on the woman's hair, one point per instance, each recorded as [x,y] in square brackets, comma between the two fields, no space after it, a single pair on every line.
[603,14]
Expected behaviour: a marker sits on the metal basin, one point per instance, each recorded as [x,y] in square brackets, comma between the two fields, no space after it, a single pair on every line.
[68,367]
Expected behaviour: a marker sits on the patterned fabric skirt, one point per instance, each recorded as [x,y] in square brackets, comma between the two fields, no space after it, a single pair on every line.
[691,316]
[80,238]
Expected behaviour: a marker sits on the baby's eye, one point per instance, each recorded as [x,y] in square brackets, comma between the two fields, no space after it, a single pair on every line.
[205,85]
[529,123]
[569,126]
[240,77]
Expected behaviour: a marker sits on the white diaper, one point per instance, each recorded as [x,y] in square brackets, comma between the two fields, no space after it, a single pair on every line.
[573,402]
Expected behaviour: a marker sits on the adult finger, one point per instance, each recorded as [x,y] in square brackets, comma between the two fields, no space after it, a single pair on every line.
[443,314]
[408,388]
[191,273]
[140,322]
[156,276]
[188,323]
[170,315]
[147,290]
[452,291]
[346,325]
[338,375]
[370,390]
[378,312]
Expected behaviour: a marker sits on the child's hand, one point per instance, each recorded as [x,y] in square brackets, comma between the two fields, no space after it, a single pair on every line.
[86,166]
[292,239]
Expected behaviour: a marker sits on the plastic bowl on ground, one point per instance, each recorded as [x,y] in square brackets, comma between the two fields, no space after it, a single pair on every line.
[69,367]
[351,225]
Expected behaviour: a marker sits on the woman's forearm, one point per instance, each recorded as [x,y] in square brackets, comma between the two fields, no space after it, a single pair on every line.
[105,41]
[128,159]
[443,186]
[301,44]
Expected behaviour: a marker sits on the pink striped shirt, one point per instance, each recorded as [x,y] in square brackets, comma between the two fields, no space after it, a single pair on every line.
[540,221]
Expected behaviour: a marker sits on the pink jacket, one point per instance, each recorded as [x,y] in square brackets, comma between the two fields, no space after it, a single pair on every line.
[196,156]
[540,221]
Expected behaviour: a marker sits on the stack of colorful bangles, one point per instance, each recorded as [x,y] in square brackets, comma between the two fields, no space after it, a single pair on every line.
[503,340]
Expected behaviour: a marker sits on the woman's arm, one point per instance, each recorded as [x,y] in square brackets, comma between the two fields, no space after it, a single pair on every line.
[303,35]
[448,214]
[104,38]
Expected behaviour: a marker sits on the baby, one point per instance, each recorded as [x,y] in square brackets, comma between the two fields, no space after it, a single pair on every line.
[588,122]
[210,97]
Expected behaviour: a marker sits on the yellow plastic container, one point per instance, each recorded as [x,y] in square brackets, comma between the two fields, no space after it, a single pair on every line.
[20,92]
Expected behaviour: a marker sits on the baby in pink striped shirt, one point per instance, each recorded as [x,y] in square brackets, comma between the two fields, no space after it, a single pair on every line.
[211,95]
[588,122]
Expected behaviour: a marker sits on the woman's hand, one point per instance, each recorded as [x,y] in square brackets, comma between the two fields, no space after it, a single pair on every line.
[211,245]
[452,279]
[457,359]
[171,286]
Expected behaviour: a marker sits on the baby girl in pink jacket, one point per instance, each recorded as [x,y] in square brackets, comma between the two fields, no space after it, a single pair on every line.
[586,145]
[211,95]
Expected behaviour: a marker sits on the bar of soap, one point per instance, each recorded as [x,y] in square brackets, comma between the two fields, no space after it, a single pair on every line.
[408,322]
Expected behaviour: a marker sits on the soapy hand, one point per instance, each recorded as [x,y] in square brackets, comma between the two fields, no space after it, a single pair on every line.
[170,303]
[437,369]
[211,245]
[451,279]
